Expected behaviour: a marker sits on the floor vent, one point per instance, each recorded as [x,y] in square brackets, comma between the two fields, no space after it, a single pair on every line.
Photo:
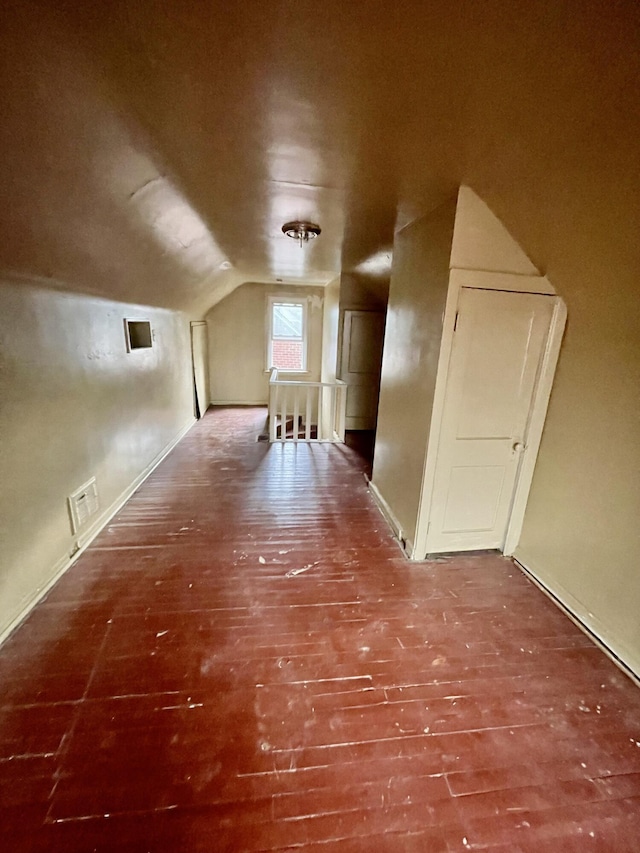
[83,503]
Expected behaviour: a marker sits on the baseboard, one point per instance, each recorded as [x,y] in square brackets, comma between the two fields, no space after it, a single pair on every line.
[589,624]
[56,572]
[83,542]
[389,517]
[260,403]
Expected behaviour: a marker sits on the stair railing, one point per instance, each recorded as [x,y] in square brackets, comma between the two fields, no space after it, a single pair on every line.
[315,410]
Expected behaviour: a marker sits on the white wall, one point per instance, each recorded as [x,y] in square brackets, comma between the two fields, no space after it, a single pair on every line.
[363,293]
[481,242]
[330,320]
[417,296]
[74,404]
[581,533]
[238,339]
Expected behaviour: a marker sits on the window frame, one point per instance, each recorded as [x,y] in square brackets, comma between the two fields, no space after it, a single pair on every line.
[286,299]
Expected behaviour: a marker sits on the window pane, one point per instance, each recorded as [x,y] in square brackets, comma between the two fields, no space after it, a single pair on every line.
[287,355]
[287,321]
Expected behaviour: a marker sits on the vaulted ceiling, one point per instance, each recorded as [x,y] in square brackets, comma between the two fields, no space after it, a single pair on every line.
[152,150]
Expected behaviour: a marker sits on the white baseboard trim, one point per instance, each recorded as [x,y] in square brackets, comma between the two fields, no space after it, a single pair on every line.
[239,403]
[389,517]
[589,624]
[57,570]
[83,542]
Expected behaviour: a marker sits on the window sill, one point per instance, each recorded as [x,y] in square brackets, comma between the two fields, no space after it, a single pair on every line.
[283,372]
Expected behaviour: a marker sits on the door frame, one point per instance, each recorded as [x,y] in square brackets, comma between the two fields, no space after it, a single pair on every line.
[482,280]
[205,367]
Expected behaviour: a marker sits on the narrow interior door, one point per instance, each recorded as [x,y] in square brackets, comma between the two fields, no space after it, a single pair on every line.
[362,340]
[200,358]
[498,344]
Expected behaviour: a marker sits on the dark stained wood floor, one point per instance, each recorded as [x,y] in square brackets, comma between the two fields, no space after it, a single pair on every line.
[243,660]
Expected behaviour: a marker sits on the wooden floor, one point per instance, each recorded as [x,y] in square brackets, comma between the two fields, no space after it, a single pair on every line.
[244,660]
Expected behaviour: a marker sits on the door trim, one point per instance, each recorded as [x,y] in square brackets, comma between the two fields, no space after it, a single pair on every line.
[536,426]
[512,283]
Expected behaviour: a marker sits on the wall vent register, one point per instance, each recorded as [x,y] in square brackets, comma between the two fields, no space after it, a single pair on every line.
[138,333]
[83,504]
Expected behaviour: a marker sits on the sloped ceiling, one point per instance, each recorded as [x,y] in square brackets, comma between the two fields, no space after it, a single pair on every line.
[152,150]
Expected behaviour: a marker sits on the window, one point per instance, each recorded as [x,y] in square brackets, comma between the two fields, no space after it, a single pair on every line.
[287,335]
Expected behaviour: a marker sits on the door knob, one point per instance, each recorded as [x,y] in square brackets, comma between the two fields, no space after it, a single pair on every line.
[518,446]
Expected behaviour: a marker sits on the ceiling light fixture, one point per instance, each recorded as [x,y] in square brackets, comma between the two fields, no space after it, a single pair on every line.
[301,231]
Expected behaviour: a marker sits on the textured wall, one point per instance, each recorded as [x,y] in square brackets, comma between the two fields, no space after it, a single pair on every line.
[75,404]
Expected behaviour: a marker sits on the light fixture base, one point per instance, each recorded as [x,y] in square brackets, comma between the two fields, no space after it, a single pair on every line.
[301,230]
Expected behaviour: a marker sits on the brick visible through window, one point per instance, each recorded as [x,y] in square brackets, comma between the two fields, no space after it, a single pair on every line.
[287,355]
[287,334]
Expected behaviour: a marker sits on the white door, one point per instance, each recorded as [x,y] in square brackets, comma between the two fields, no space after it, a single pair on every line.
[362,340]
[498,344]
[200,361]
